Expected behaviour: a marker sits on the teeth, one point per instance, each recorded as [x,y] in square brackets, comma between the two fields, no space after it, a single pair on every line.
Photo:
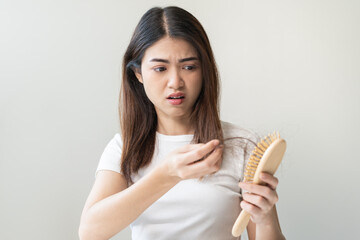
[176,97]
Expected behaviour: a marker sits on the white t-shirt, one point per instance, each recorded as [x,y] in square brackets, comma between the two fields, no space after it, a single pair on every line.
[192,209]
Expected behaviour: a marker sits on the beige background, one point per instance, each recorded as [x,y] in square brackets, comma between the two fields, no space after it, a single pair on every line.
[291,66]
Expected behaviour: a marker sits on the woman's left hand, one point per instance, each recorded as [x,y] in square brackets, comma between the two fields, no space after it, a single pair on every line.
[260,199]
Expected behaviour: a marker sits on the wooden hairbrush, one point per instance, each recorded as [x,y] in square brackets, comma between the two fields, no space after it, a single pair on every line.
[265,157]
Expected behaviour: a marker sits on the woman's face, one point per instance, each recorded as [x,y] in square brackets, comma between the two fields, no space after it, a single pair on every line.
[171,66]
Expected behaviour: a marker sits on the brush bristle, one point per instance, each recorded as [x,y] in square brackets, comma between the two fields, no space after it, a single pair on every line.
[257,154]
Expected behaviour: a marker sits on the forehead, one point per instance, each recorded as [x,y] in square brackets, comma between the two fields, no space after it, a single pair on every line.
[170,48]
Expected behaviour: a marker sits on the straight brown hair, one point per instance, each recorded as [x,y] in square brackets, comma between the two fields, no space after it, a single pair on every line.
[138,117]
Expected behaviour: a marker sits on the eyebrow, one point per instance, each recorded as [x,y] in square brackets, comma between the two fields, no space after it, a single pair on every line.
[167,61]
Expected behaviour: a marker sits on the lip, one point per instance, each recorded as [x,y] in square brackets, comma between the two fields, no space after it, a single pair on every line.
[177,94]
[176,101]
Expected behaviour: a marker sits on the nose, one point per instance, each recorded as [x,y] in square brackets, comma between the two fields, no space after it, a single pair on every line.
[175,80]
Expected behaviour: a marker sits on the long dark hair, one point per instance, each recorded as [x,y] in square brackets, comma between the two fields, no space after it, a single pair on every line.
[138,118]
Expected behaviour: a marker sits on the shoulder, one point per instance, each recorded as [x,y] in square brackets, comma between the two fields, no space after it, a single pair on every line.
[111,156]
[115,142]
[234,131]
[117,139]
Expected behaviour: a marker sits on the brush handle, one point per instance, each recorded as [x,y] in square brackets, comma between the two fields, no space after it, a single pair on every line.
[241,223]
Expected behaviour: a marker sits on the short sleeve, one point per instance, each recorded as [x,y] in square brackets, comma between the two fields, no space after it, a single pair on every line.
[111,157]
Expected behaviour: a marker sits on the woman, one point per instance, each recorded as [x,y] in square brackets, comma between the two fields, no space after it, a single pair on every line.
[173,172]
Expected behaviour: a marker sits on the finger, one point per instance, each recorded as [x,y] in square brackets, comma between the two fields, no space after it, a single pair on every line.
[216,159]
[201,151]
[269,179]
[189,147]
[218,162]
[264,191]
[250,208]
[258,201]
[208,165]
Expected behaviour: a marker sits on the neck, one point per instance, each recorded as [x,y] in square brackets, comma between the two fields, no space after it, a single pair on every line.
[178,126]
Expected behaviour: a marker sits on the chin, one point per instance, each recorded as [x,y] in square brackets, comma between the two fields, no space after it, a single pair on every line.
[178,114]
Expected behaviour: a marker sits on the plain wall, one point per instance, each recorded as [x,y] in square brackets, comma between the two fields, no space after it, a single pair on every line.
[291,66]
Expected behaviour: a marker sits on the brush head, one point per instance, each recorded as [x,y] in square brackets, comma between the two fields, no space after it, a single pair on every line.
[270,147]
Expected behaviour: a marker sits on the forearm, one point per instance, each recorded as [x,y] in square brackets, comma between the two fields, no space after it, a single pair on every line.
[271,230]
[112,214]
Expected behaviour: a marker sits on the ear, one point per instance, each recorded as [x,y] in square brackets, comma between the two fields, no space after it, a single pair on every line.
[138,76]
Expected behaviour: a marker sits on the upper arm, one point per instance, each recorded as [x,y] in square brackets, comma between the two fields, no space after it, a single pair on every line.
[107,183]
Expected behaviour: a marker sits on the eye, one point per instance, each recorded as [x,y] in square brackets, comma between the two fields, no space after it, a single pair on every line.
[190,67]
[159,69]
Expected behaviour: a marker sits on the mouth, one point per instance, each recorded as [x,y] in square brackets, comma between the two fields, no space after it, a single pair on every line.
[176,98]
[178,95]
[181,97]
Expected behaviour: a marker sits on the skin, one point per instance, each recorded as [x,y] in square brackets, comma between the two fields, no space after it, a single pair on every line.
[111,205]
[165,70]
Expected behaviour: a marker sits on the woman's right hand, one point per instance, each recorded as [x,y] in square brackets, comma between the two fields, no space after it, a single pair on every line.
[183,163]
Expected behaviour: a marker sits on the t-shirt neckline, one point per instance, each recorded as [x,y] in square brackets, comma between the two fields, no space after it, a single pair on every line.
[175,138]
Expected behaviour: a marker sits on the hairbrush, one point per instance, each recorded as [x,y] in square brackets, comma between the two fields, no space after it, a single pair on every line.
[265,157]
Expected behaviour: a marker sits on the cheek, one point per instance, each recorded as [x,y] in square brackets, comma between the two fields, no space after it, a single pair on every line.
[152,90]
[149,91]
[147,83]
[197,84]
